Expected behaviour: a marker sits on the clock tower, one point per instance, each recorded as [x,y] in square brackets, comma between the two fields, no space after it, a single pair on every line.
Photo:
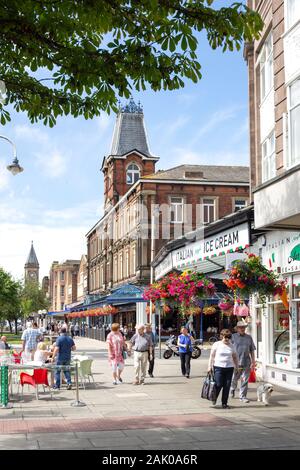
[32,266]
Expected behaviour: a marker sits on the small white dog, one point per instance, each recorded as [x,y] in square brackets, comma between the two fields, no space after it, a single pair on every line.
[264,393]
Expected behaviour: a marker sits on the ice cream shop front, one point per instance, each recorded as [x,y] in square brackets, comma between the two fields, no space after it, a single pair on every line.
[276,325]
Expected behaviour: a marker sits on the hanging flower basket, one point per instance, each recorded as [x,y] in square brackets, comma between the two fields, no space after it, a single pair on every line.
[209,310]
[226,304]
[109,310]
[240,310]
[251,276]
[228,312]
[180,289]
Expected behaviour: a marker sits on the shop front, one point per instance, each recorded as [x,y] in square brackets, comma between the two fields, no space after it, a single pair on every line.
[221,243]
[276,325]
[124,305]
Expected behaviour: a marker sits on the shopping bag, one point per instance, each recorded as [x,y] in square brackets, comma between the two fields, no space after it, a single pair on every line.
[209,388]
[252,376]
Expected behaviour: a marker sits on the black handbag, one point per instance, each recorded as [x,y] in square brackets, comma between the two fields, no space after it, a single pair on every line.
[209,388]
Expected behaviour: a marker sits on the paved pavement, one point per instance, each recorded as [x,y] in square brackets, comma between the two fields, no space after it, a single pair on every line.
[166,413]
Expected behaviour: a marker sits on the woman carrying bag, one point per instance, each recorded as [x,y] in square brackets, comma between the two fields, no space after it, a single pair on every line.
[223,360]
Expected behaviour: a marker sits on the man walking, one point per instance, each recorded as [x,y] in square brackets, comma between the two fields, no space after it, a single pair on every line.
[30,339]
[151,357]
[142,346]
[245,348]
[63,347]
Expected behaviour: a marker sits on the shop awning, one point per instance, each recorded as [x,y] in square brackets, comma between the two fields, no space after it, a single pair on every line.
[59,313]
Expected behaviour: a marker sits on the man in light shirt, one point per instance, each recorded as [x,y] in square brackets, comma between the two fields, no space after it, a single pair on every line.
[245,348]
[30,339]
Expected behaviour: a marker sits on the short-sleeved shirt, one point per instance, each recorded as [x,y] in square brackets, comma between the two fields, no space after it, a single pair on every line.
[244,345]
[185,339]
[31,337]
[141,343]
[223,354]
[64,343]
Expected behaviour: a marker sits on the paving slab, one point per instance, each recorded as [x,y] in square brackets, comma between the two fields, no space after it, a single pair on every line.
[66,444]
[166,407]
[107,443]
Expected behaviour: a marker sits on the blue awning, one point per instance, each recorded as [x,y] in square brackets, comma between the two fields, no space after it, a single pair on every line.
[62,312]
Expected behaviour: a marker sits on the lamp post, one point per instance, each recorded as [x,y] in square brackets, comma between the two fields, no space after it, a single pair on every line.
[14,168]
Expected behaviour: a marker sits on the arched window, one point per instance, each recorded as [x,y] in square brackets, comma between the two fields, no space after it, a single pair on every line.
[133,173]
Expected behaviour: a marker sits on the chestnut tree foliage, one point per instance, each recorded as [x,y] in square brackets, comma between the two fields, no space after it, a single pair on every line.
[77,57]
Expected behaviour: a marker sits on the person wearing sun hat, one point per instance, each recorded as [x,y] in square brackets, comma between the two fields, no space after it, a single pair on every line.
[245,348]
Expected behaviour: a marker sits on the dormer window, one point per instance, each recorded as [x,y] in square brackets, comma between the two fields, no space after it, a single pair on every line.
[133,173]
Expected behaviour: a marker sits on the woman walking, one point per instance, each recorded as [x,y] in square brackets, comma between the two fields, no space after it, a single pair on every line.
[223,360]
[116,347]
[185,351]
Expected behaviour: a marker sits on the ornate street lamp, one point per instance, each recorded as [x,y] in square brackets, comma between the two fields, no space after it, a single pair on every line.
[14,168]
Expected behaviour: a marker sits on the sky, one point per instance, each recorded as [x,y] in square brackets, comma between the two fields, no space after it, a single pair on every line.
[59,196]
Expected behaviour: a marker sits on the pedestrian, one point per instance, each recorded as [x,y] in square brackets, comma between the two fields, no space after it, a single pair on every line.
[125,331]
[116,348]
[185,351]
[142,346]
[151,357]
[63,347]
[30,338]
[223,360]
[245,348]
[41,354]
[72,330]
[4,346]
[76,329]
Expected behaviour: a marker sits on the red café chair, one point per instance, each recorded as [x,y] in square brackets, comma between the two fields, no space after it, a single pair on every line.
[17,357]
[39,377]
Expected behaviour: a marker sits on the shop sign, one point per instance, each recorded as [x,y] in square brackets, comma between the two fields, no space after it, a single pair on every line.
[164,267]
[228,241]
[281,251]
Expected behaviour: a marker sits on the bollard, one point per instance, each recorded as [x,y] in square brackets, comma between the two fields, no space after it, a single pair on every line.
[4,387]
[77,402]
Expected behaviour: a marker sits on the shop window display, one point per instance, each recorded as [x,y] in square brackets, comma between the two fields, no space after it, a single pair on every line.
[281,334]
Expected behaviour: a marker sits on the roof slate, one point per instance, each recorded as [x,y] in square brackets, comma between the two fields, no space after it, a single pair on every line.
[217,173]
[130,134]
[32,258]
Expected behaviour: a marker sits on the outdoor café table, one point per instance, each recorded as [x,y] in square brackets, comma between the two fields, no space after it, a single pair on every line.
[50,367]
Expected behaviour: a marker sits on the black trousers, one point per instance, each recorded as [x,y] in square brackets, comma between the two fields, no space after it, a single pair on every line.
[185,359]
[151,363]
[223,377]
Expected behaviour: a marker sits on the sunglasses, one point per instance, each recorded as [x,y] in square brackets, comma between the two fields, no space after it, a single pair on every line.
[227,336]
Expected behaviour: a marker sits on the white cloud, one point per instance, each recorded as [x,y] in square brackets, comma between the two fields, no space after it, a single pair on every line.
[51,244]
[217,118]
[53,164]
[34,134]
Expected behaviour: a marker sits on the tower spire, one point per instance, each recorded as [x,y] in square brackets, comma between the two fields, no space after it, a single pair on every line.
[32,265]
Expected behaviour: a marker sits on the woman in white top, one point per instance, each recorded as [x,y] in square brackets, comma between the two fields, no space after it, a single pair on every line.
[223,360]
[41,354]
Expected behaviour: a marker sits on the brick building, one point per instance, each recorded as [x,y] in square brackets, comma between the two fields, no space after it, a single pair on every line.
[63,284]
[274,99]
[119,245]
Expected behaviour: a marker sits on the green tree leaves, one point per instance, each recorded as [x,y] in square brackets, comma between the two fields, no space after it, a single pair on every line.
[61,57]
